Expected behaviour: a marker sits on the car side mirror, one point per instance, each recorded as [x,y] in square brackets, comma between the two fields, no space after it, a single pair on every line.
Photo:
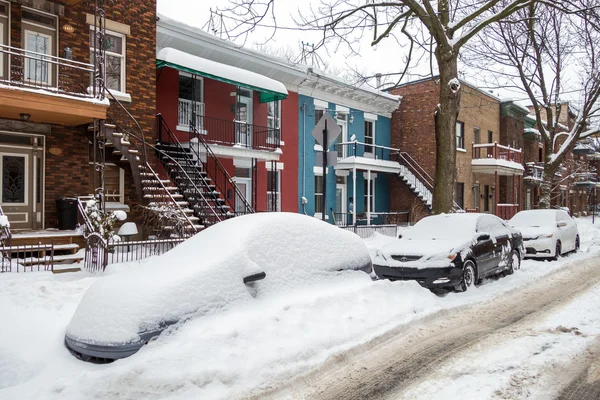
[561,224]
[255,277]
[483,237]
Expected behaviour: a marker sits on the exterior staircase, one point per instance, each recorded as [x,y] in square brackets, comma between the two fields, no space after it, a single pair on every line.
[418,180]
[197,192]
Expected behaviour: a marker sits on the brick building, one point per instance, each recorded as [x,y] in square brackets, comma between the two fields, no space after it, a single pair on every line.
[488,161]
[47,102]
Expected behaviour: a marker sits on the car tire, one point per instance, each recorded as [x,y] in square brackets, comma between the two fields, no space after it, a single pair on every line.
[469,276]
[557,250]
[514,262]
[577,244]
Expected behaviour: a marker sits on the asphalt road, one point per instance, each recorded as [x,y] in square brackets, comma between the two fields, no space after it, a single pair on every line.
[386,367]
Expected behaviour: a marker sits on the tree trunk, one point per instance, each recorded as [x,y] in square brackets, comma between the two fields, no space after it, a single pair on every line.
[445,133]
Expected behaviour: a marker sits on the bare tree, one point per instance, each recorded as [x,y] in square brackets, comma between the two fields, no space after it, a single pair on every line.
[438,28]
[549,54]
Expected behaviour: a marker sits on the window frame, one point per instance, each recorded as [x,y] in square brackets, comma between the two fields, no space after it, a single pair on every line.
[490,136]
[476,135]
[275,120]
[110,53]
[318,196]
[4,37]
[370,147]
[460,139]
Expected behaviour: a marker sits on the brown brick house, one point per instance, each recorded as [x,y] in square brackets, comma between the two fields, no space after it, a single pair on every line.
[47,101]
[489,157]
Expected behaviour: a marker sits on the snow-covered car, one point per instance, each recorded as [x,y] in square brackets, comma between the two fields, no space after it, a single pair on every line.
[451,251]
[230,264]
[546,233]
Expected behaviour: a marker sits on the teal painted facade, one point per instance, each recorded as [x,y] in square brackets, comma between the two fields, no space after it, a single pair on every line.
[307,161]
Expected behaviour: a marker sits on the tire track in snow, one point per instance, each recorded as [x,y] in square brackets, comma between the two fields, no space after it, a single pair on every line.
[410,354]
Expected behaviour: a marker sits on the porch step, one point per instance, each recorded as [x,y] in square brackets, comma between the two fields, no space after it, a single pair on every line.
[160,196]
[165,203]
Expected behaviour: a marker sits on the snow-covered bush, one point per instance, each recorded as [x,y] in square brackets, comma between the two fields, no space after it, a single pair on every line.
[103,222]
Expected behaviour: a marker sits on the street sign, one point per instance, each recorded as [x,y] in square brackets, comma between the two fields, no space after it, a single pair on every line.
[333,130]
[332,157]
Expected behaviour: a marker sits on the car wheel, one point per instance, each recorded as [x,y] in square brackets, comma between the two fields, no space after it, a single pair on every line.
[469,276]
[557,251]
[577,244]
[514,262]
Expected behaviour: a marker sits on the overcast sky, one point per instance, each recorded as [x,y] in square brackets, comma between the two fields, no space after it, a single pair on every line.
[387,57]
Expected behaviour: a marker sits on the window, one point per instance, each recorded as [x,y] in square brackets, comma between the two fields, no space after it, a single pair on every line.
[490,137]
[274,121]
[114,44]
[460,135]
[369,136]
[3,37]
[318,194]
[191,96]
[540,155]
[39,36]
[274,190]
[460,194]
[369,196]
[476,136]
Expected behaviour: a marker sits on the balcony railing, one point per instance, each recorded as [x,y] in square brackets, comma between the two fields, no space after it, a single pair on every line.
[360,149]
[28,69]
[237,133]
[190,109]
[497,152]
[534,171]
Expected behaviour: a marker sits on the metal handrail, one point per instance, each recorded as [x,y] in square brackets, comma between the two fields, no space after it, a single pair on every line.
[5,231]
[196,189]
[146,163]
[229,180]
[52,81]
[86,220]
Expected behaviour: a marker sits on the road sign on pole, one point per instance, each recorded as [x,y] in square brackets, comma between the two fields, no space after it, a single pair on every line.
[326,132]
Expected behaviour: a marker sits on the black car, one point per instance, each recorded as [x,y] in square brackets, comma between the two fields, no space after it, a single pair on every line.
[452,251]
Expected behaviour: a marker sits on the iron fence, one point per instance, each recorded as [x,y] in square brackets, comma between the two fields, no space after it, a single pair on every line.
[99,254]
[366,231]
[36,257]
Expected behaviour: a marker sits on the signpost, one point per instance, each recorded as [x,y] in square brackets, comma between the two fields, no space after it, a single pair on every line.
[326,132]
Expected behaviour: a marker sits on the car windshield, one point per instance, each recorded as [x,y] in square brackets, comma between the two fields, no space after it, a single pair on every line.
[440,227]
[534,218]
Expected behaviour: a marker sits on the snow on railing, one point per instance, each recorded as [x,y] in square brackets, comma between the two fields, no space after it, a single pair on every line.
[496,151]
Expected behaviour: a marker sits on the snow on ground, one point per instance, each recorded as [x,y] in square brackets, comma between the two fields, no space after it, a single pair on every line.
[224,355]
[520,364]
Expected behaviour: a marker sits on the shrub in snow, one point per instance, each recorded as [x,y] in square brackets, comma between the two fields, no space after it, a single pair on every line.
[103,222]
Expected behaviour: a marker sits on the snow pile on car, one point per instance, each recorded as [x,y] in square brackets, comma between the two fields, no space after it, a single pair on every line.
[204,275]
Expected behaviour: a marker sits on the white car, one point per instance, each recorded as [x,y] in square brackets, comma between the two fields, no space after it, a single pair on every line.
[546,233]
[230,264]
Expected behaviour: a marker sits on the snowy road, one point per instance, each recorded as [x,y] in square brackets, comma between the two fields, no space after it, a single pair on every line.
[520,345]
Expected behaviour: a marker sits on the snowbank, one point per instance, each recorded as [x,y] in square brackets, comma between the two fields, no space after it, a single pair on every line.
[204,275]
[257,345]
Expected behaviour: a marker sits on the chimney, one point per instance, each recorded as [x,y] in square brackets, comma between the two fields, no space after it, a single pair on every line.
[377,80]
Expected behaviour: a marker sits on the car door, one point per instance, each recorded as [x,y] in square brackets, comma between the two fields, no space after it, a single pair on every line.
[567,239]
[484,250]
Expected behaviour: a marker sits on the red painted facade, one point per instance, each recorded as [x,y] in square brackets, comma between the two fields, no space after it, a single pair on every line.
[218,103]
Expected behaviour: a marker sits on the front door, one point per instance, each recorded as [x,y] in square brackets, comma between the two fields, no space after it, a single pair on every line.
[243,118]
[245,187]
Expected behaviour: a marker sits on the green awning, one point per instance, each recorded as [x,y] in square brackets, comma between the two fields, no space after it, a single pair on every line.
[269,89]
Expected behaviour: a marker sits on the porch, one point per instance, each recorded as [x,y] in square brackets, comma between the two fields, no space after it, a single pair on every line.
[505,164]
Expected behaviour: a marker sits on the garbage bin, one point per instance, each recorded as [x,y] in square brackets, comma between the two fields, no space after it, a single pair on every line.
[67,213]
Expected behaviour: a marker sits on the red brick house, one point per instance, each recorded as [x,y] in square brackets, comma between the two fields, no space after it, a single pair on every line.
[488,141]
[48,103]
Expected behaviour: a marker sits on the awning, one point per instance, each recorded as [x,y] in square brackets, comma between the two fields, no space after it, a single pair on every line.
[269,89]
